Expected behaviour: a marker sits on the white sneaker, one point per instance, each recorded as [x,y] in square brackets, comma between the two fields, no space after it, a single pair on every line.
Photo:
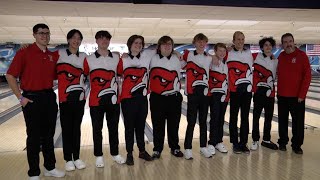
[254,145]
[99,161]
[188,154]
[54,173]
[211,149]
[34,178]
[205,152]
[119,159]
[220,147]
[80,164]
[70,166]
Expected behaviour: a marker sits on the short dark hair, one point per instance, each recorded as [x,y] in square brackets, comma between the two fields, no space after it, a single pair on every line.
[267,39]
[72,32]
[101,34]
[286,35]
[219,45]
[200,37]
[38,26]
[132,39]
[163,40]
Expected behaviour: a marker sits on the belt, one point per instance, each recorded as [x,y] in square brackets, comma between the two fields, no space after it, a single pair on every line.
[40,92]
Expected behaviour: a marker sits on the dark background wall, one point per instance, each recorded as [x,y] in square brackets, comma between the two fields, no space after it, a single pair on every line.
[303,4]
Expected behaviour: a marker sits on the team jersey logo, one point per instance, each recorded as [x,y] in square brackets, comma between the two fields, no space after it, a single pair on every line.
[134,82]
[163,81]
[263,80]
[240,75]
[71,82]
[103,87]
[197,78]
[218,84]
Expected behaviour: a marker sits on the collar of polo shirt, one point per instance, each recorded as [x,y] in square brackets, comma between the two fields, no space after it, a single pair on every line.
[98,55]
[69,52]
[195,53]
[160,55]
[132,56]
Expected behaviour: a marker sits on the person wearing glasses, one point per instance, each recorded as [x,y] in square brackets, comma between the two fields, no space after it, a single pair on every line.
[35,66]
[165,98]
[294,77]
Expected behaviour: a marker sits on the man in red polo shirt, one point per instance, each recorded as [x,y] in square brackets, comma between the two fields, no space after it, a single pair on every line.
[294,77]
[35,67]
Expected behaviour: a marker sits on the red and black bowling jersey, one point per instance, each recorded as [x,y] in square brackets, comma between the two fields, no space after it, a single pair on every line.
[103,80]
[218,81]
[240,70]
[165,74]
[134,70]
[197,72]
[264,75]
[71,76]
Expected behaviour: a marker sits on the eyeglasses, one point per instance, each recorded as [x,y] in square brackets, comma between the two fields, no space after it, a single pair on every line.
[43,33]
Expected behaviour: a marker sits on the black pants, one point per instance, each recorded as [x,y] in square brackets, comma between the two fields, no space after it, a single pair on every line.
[297,111]
[267,103]
[240,101]
[40,117]
[217,112]
[197,103]
[71,114]
[165,108]
[112,116]
[135,111]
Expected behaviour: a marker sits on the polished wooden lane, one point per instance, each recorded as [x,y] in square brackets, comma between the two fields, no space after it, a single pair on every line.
[261,164]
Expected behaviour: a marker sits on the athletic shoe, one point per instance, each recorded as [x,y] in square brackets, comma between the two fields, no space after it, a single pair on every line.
[188,154]
[254,145]
[269,144]
[118,159]
[99,161]
[70,166]
[220,147]
[205,152]
[212,149]
[79,164]
[54,173]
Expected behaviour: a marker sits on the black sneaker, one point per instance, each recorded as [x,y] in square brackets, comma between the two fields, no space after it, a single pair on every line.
[129,160]
[269,145]
[144,155]
[245,149]
[156,155]
[236,149]
[282,147]
[297,150]
[177,153]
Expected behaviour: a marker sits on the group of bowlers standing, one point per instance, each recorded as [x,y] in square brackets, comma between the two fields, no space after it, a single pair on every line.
[125,82]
